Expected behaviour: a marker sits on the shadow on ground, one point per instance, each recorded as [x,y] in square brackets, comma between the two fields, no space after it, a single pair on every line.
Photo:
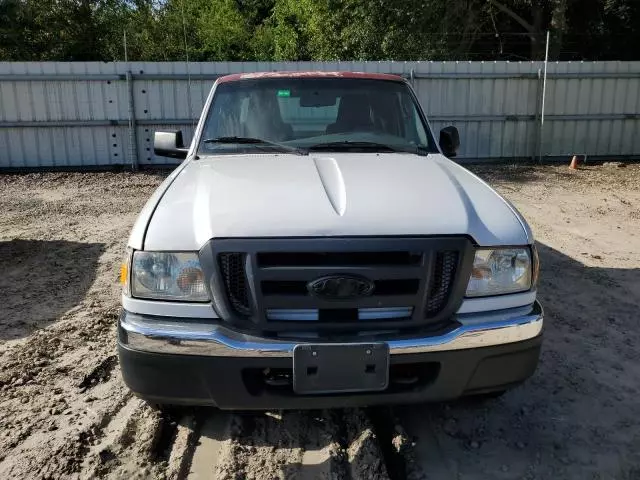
[496,173]
[574,418]
[41,280]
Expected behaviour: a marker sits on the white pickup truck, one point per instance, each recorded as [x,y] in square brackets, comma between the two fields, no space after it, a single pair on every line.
[317,249]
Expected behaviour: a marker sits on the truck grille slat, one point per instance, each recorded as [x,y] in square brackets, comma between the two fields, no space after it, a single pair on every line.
[337,259]
[382,287]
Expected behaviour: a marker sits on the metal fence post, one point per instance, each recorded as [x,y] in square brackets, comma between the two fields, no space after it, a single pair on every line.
[133,135]
[544,96]
[535,152]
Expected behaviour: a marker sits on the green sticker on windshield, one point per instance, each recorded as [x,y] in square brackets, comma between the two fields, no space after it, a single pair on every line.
[284,93]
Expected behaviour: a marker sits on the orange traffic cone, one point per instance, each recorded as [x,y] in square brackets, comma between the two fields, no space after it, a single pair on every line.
[574,163]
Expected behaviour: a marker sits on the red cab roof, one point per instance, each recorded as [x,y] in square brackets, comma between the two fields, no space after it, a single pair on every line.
[294,74]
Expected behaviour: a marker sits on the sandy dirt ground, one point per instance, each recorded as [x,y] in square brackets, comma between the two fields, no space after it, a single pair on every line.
[65,413]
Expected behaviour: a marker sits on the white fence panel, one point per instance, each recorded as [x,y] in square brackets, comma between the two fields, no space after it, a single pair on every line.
[78,114]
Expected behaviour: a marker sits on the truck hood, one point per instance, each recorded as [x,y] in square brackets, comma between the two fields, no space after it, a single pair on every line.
[342,194]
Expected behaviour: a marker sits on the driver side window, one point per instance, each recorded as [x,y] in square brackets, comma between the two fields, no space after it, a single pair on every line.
[225,118]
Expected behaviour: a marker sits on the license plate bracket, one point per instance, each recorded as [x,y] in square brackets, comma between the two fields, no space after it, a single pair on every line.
[340,368]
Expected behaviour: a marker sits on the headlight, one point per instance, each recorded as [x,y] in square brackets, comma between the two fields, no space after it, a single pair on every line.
[168,276]
[498,271]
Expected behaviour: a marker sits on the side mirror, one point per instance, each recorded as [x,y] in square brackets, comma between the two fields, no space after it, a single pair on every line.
[169,144]
[449,141]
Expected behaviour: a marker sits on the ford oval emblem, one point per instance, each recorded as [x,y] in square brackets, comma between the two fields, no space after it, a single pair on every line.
[341,287]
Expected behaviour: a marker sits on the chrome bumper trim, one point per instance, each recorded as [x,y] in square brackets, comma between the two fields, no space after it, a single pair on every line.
[188,337]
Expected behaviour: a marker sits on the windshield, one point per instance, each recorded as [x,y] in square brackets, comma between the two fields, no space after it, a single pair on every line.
[328,114]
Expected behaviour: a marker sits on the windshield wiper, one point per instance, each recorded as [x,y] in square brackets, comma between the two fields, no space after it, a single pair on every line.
[374,146]
[257,141]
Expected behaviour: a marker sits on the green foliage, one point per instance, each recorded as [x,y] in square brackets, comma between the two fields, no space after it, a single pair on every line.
[238,30]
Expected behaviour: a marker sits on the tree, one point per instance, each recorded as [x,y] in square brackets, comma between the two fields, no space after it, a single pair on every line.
[532,24]
[209,30]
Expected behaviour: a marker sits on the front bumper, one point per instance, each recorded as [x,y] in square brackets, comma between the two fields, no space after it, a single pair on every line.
[185,361]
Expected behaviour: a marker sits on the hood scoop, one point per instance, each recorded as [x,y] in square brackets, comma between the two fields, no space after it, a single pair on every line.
[333,183]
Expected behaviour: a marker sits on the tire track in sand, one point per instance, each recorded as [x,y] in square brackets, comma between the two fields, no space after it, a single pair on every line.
[336,444]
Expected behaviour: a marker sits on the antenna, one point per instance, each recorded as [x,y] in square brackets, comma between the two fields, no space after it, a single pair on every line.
[186,51]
